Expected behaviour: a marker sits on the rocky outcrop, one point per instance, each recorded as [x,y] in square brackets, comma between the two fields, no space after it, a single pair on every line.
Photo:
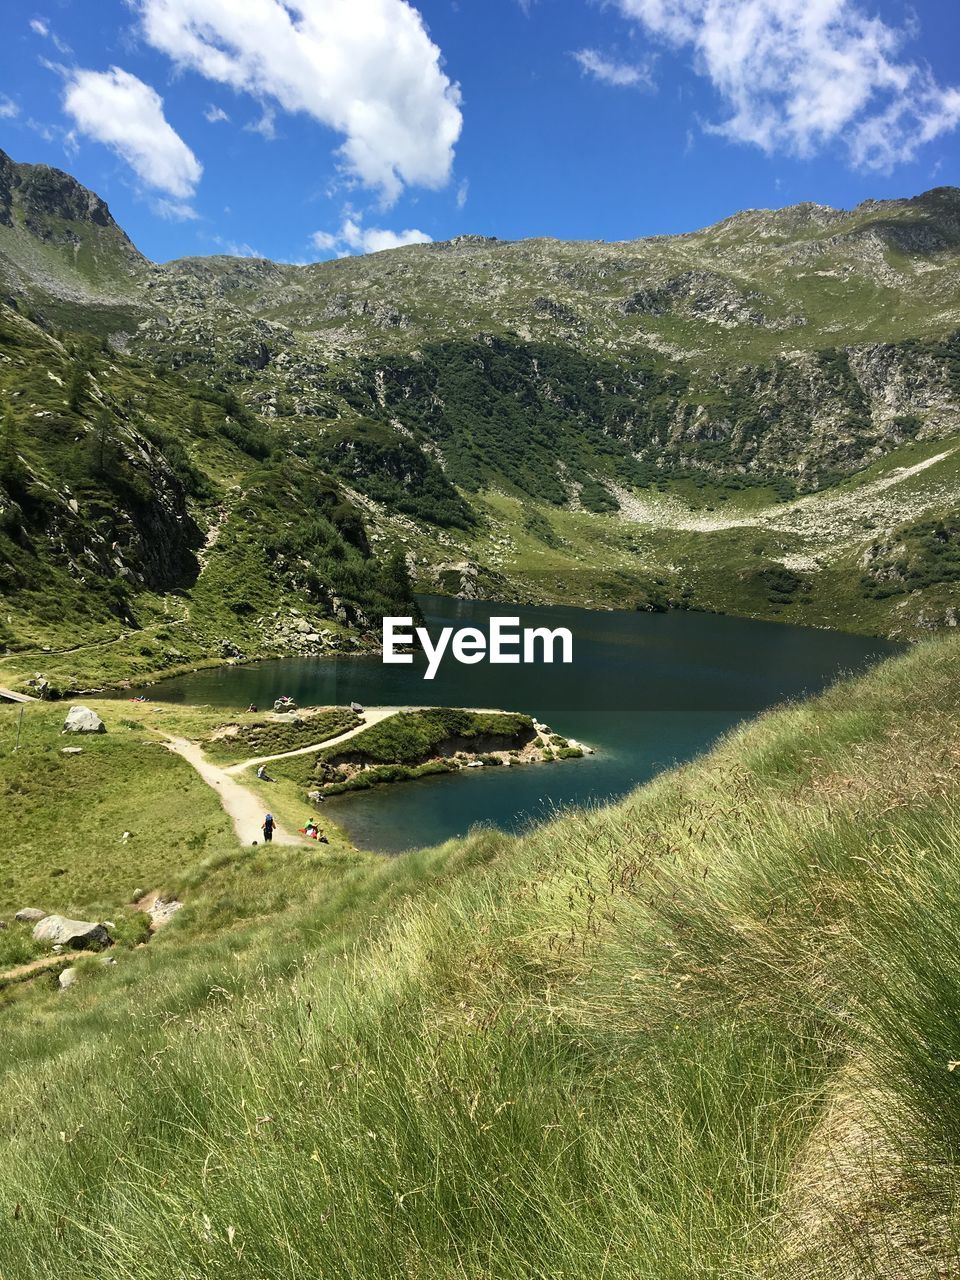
[54,207]
[29,915]
[711,297]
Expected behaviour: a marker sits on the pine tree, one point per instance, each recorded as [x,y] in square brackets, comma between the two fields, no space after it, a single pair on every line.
[101,442]
[77,387]
[397,575]
[10,465]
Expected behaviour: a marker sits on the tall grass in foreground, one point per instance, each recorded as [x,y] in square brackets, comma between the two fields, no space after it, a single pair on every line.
[709,1032]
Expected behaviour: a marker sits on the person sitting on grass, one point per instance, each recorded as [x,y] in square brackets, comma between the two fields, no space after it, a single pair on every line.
[263,775]
[313,832]
[268,828]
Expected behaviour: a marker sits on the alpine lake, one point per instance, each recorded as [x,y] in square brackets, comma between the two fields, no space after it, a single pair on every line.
[645,690]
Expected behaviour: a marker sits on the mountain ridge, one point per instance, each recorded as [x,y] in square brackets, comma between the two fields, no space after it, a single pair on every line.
[533,419]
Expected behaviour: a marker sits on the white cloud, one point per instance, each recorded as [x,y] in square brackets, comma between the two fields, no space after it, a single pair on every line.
[463,190]
[800,74]
[365,68]
[355,238]
[45,131]
[266,126]
[174,210]
[8,108]
[623,75]
[237,249]
[117,109]
[215,115]
[41,27]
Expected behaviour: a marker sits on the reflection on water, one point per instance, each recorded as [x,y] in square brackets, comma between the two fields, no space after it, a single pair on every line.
[645,690]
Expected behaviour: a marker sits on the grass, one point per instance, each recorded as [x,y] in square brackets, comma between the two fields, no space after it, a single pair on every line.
[707,1032]
[258,735]
[64,852]
[410,744]
[653,561]
[413,736]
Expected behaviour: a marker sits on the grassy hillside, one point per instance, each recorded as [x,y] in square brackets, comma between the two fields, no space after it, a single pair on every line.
[147,525]
[708,1032]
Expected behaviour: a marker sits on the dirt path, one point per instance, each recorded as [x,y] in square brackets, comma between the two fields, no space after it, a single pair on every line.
[244,808]
[241,804]
[24,971]
[372,716]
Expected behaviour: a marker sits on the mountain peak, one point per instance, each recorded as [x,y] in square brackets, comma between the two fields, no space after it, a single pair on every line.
[45,198]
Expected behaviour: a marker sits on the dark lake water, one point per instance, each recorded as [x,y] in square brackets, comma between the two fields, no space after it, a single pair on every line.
[646,691]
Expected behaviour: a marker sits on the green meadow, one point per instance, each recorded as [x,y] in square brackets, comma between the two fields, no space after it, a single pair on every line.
[709,1031]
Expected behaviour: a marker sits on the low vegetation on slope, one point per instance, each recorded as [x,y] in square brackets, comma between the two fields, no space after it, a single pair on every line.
[259,734]
[147,524]
[414,736]
[708,1032]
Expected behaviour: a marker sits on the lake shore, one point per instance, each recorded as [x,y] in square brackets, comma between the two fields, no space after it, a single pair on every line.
[646,690]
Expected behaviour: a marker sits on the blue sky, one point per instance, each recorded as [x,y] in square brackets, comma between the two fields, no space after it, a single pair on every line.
[303,129]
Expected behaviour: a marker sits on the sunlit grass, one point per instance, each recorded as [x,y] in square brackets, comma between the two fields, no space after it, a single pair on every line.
[704,1033]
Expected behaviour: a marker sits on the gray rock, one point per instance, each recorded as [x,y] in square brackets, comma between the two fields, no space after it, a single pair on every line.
[67,978]
[71,751]
[83,720]
[79,934]
[162,911]
[29,915]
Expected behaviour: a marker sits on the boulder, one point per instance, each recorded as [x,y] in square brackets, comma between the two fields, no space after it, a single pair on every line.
[29,915]
[67,978]
[83,720]
[71,751]
[79,934]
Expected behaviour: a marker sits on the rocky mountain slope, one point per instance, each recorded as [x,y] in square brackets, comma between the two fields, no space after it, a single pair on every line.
[516,415]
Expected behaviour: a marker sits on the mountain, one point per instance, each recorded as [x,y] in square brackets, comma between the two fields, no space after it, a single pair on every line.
[760,417]
[59,243]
